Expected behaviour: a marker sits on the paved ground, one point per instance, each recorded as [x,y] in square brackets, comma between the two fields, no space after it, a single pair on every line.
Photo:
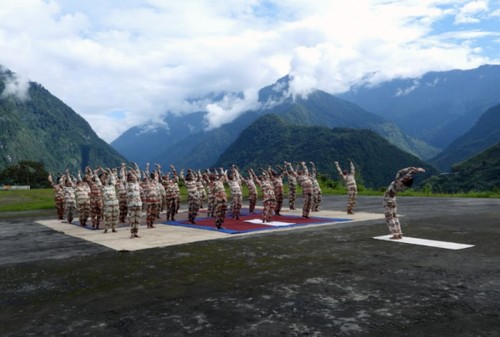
[310,281]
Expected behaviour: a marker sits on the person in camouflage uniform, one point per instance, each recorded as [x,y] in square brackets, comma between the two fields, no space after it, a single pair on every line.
[134,200]
[58,196]
[193,194]
[252,190]
[107,184]
[404,179]
[316,192]
[177,190]
[350,182]
[277,181]
[82,195]
[202,189]
[210,194]
[292,187]
[305,182]
[234,184]
[268,196]
[96,203]
[151,196]
[69,198]
[122,196]
[169,184]
[220,198]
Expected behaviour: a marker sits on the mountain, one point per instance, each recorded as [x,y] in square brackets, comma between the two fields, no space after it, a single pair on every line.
[201,150]
[271,140]
[485,133]
[40,127]
[478,173]
[143,143]
[437,107]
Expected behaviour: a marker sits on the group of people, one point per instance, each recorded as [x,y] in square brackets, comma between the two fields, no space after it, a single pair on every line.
[114,195]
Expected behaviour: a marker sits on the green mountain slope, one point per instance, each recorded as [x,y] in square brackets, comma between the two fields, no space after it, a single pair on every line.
[485,133]
[270,140]
[479,173]
[42,128]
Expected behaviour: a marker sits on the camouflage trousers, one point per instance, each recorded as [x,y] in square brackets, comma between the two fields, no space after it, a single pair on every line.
[170,208]
[306,207]
[292,193]
[152,211]
[391,217]
[268,210]
[252,201]
[134,218]
[316,200]
[211,206]
[351,199]
[69,211]
[123,210]
[60,208]
[236,200]
[83,212]
[279,200]
[96,209]
[111,214]
[220,208]
[193,208]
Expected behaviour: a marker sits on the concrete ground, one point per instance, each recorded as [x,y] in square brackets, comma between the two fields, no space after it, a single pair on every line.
[328,280]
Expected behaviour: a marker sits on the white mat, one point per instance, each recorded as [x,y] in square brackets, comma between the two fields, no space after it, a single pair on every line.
[270,223]
[425,242]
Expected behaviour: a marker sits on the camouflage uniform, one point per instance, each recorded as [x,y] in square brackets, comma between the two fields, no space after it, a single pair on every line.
[236,195]
[316,190]
[111,204]
[305,182]
[193,196]
[201,189]
[404,178]
[69,200]
[134,203]
[151,200]
[59,199]
[292,189]
[210,199]
[220,197]
[268,196]
[350,182]
[277,181]
[170,198]
[122,199]
[82,194]
[252,192]
[96,204]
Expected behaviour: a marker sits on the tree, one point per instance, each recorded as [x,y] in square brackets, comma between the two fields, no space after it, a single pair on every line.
[25,172]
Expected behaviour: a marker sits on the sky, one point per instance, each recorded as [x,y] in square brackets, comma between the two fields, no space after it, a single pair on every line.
[123,63]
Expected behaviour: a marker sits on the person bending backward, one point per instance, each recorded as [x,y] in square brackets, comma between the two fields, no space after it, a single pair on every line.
[268,196]
[134,200]
[404,179]
[350,182]
[305,182]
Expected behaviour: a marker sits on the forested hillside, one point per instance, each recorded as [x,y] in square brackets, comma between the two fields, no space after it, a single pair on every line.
[41,128]
[271,140]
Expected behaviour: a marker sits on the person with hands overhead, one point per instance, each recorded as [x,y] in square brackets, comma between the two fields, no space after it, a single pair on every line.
[350,182]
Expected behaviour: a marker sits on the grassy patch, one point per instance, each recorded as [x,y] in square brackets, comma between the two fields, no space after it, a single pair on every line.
[26,200]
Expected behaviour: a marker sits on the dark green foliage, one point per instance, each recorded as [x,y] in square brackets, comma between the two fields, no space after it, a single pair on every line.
[44,129]
[25,172]
[484,134]
[271,140]
[477,174]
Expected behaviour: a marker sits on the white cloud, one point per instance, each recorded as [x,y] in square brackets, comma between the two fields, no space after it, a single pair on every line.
[15,85]
[147,57]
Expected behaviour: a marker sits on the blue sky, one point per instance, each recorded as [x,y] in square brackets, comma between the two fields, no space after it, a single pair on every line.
[121,63]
